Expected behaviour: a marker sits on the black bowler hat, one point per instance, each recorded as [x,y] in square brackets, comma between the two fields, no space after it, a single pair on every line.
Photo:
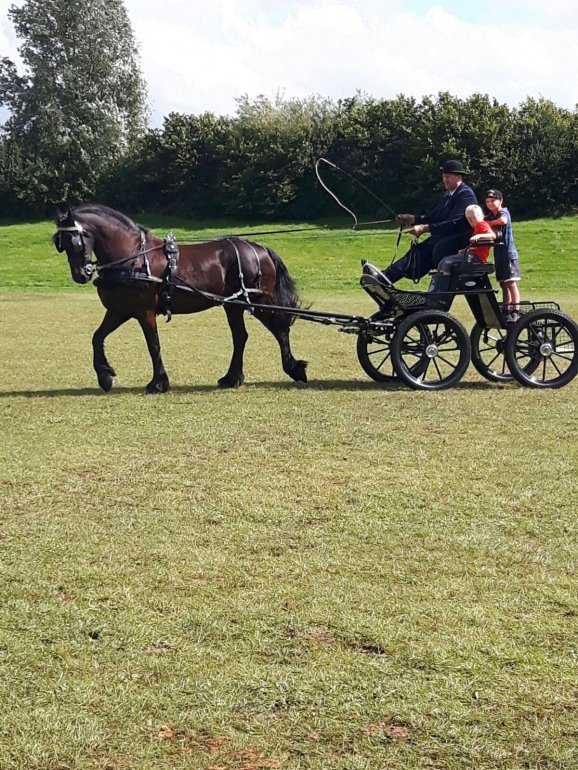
[452,167]
[493,193]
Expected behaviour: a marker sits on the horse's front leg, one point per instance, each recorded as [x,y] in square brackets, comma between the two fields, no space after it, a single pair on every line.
[160,380]
[235,377]
[104,371]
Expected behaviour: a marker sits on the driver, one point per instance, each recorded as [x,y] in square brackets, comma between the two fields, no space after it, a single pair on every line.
[446,224]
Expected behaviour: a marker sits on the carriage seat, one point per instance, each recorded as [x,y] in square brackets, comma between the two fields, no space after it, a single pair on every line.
[473,268]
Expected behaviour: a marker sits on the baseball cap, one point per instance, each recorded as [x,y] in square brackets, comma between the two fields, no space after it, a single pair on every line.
[493,193]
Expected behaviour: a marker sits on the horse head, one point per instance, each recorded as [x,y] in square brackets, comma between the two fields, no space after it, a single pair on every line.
[77,241]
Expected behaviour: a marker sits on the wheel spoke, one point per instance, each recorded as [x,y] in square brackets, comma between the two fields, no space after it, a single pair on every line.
[522,345]
[491,361]
[382,362]
[521,355]
[555,365]
[422,377]
[564,358]
[489,353]
[449,363]
[440,375]
[376,351]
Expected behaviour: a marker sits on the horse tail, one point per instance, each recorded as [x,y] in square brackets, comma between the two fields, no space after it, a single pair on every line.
[286,293]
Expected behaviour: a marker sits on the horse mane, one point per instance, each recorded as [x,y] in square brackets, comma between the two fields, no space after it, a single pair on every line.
[100,210]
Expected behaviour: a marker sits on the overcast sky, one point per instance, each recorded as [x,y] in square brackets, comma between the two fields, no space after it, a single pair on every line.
[200,55]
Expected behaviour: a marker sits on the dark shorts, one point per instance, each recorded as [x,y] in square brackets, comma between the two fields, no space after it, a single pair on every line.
[507,270]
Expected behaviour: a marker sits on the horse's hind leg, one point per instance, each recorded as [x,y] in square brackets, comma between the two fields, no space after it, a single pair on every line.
[235,377]
[104,371]
[160,380]
[280,325]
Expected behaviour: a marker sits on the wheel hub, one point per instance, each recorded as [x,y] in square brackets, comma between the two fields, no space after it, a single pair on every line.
[546,349]
[431,351]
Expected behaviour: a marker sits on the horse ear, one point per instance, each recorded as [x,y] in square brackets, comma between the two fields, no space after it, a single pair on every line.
[62,210]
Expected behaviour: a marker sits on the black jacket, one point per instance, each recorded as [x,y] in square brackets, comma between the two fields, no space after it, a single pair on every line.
[447,217]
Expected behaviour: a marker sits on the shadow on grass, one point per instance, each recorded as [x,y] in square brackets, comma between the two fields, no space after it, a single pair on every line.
[356,385]
[316,385]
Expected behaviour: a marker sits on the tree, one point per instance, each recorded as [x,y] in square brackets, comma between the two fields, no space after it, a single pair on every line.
[543,156]
[273,147]
[81,101]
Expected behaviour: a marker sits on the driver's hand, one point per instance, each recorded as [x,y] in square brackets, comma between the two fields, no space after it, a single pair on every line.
[416,230]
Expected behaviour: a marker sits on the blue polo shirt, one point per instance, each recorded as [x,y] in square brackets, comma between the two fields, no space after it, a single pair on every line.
[504,246]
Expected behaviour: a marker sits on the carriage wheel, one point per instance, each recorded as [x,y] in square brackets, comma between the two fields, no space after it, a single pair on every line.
[489,353]
[436,338]
[374,354]
[542,349]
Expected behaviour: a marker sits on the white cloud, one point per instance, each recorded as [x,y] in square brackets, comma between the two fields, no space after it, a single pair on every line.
[555,8]
[198,56]
[336,48]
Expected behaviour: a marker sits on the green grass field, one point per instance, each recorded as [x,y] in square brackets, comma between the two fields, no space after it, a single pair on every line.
[325,262]
[333,577]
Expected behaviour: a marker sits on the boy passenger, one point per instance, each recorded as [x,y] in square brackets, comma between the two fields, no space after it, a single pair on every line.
[505,253]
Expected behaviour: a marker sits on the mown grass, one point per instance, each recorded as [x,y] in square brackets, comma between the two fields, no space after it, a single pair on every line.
[339,576]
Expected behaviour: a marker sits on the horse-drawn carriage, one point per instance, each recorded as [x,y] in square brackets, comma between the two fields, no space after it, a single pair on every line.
[412,336]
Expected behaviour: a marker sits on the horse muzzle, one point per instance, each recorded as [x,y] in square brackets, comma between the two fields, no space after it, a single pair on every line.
[82,273]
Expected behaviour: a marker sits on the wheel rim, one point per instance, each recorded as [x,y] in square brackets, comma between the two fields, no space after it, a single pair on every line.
[431,352]
[488,354]
[544,352]
[379,356]
[374,354]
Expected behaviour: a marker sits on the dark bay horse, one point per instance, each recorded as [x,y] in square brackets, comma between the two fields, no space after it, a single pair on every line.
[141,275]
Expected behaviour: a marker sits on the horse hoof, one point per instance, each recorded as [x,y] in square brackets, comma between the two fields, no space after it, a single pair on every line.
[229,383]
[299,371]
[106,382]
[156,387]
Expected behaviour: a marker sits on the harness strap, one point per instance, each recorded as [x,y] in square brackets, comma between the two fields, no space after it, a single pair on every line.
[244,291]
[171,251]
[258,261]
[179,283]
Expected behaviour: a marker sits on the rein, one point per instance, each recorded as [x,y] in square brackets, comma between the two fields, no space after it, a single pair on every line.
[123,261]
[133,257]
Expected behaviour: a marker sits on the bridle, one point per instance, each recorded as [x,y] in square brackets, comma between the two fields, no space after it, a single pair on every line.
[78,258]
